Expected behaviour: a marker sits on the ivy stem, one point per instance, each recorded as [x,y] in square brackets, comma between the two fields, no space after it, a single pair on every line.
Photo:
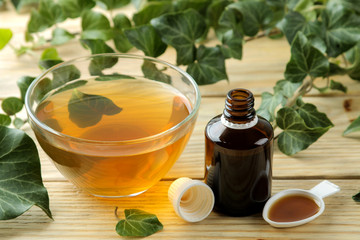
[116,213]
[304,88]
[263,34]
[344,59]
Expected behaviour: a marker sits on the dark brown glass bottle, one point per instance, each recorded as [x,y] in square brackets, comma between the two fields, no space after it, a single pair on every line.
[238,156]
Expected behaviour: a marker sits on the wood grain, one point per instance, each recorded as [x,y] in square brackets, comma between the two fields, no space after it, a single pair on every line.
[80,216]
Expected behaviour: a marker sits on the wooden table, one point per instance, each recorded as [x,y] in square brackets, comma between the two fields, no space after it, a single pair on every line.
[78,215]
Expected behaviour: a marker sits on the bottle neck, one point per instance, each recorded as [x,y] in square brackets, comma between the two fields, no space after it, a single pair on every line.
[239,112]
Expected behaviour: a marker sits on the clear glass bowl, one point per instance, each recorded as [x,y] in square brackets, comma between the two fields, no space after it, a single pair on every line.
[113,124]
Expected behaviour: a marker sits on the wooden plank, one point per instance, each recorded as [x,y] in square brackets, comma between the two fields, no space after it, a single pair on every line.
[80,216]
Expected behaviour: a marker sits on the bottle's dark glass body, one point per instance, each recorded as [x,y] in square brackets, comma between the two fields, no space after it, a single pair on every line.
[238,157]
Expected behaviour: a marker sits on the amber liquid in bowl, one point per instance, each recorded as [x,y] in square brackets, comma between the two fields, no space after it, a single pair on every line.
[147,108]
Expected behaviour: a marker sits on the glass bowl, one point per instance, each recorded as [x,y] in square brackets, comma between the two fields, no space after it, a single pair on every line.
[113,124]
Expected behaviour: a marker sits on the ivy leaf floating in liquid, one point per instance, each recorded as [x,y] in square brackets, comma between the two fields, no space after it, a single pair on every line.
[86,110]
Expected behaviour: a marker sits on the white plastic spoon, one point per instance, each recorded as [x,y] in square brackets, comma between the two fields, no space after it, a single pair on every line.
[317,193]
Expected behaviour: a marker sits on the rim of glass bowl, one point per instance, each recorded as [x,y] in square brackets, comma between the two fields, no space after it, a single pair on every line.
[192,114]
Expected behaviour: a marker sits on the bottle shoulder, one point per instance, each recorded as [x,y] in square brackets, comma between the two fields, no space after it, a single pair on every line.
[260,134]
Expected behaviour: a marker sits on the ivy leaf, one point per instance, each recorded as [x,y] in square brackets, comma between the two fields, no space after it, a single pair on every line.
[180,30]
[353,55]
[70,85]
[12,105]
[60,36]
[232,44]
[151,10]
[294,22]
[214,12]
[353,127]
[269,102]
[112,4]
[198,5]
[146,39]
[209,66]
[342,29]
[121,22]
[99,63]
[296,135]
[305,60]
[286,88]
[338,86]
[5,36]
[152,72]
[312,117]
[95,26]
[255,16]
[20,176]
[20,4]
[23,84]
[356,197]
[5,120]
[18,123]
[49,13]
[138,223]
[75,8]
[86,110]
[113,77]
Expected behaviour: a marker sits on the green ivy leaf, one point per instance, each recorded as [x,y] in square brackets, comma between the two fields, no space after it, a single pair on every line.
[113,4]
[5,120]
[286,88]
[180,30]
[214,12]
[152,72]
[50,54]
[121,42]
[49,13]
[269,102]
[353,127]
[342,29]
[294,22]
[337,86]
[256,15]
[12,105]
[61,36]
[356,197]
[151,10]
[113,77]
[312,117]
[305,60]
[209,66]
[95,26]
[138,223]
[5,36]
[198,5]
[18,123]
[99,63]
[353,56]
[70,85]
[21,185]
[75,8]
[20,4]
[232,44]
[23,84]
[296,135]
[146,39]
[86,110]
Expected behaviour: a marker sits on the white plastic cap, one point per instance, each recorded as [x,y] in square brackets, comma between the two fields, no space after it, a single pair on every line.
[192,200]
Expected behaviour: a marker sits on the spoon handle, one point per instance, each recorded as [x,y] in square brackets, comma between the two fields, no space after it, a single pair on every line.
[325,189]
